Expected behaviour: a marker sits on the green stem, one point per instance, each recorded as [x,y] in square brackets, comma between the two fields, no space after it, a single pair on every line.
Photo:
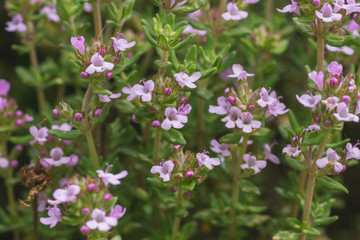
[157,145]
[164,60]
[268,10]
[320,46]
[146,133]
[235,189]
[222,6]
[177,220]
[311,183]
[200,123]
[300,188]
[97,19]
[88,129]
[35,217]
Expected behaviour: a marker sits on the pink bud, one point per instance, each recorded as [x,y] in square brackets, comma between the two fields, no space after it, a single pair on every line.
[91,187]
[56,112]
[85,210]
[203,41]
[19,122]
[231,100]
[346,98]
[19,147]
[9,114]
[189,174]
[333,82]
[215,15]
[227,90]
[316,119]
[107,197]
[117,59]
[30,37]
[109,75]
[19,113]
[151,109]
[252,36]
[358,96]
[129,54]
[86,63]
[172,190]
[177,147]
[327,122]
[42,153]
[156,123]
[133,118]
[167,91]
[84,229]
[316,2]
[142,36]
[50,138]
[251,107]
[102,51]
[14,164]
[97,112]
[188,194]
[78,116]
[183,100]
[84,75]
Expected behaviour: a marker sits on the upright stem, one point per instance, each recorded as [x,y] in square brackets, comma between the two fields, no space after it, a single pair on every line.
[35,217]
[311,183]
[200,122]
[164,59]
[320,46]
[97,18]
[235,189]
[177,220]
[146,134]
[157,145]
[300,188]
[222,6]
[88,128]
[268,10]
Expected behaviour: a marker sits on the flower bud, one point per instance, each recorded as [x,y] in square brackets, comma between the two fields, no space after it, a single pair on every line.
[252,36]
[19,122]
[316,119]
[42,153]
[189,174]
[251,107]
[84,75]
[215,15]
[84,229]
[177,147]
[167,91]
[9,114]
[86,63]
[19,147]
[56,112]
[227,90]
[107,197]
[129,54]
[97,112]
[333,82]
[183,100]
[109,75]
[91,187]
[188,194]
[156,123]
[78,116]
[231,100]
[203,40]
[316,2]
[102,51]
[14,164]
[19,113]
[117,60]
[327,122]
[172,190]
[85,210]
[346,98]
[133,118]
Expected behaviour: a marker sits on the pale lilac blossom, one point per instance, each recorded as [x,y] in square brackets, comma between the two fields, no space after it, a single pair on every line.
[233,13]
[312,127]
[246,122]
[42,200]
[40,135]
[327,15]
[3,102]
[54,217]
[223,108]
[276,108]
[121,44]
[207,161]
[221,148]
[106,98]
[100,221]
[291,8]
[164,170]
[268,155]
[109,178]
[117,211]
[331,159]
[173,119]
[249,142]
[68,194]
[16,24]
[185,80]
[190,30]
[318,78]
[352,151]
[343,114]
[251,162]
[98,64]
[50,12]
[265,98]
[239,72]
[195,15]
[351,7]
[309,101]
[4,162]
[63,127]
[88,7]
[184,109]
[335,69]
[291,151]
[56,158]
[344,49]
[353,27]
[78,43]
[145,92]
[231,119]
[4,87]
[331,103]
[131,92]
[173,3]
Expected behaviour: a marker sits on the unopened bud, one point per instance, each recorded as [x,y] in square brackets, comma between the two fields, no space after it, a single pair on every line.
[189,174]
[316,119]
[84,75]
[56,112]
[19,122]
[97,112]
[327,122]
[85,210]
[231,100]
[102,51]
[133,118]
[227,90]
[109,75]
[117,59]
[14,164]
[86,63]
[346,98]
[107,197]
[9,114]
[316,2]
[19,113]
[91,187]
[84,229]
[167,91]
[156,123]
[333,82]
[78,116]
[183,100]
[19,147]
[188,194]
[251,107]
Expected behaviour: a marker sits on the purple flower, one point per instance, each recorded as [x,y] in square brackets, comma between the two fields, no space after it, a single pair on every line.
[309,101]
[335,69]
[42,200]
[63,127]
[54,217]
[251,162]
[195,15]
[269,155]
[207,161]
[173,3]
[117,211]
[352,151]
[121,44]
[100,221]
[331,159]
[78,43]
[4,87]
[249,142]
[353,27]
[276,108]
[184,109]
[4,163]
[16,24]
[265,99]
[106,98]
[184,80]
[223,108]
[88,7]
[239,72]
[57,158]
[74,159]
[3,103]
[246,2]
[233,13]
[313,127]
[67,195]
[246,122]
[351,7]
[231,119]
[164,170]
[318,78]
[145,92]
[189,29]
[343,114]
[331,103]
[291,151]
[50,12]
[98,64]
[292,8]
[344,49]
[131,92]
[327,14]
[39,134]
[221,148]
[111,178]
[173,119]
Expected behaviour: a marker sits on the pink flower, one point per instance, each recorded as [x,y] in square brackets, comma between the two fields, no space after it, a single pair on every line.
[239,72]
[42,200]
[327,14]
[269,155]
[353,27]
[78,43]
[318,78]
[265,98]
[291,151]
[100,221]
[246,122]
[107,177]
[164,170]
[331,159]
[63,127]
[106,98]
[343,114]
[221,148]
[3,102]
[335,69]
[195,15]
[207,161]
[313,127]
[173,3]
[276,108]
[309,101]
[88,7]
[184,80]
[189,29]
[292,8]
[251,162]
[145,92]
[331,103]
[4,163]
[4,87]
[344,49]
[352,151]
[50,12]
[351,7]
[67,195]
[54,217]
[231,119]
[233,13]
[98,64]
[40,134]
[16,24]
[57,158]
[223,108]
[121,44]
[117,211]
[173,119]
[131,92]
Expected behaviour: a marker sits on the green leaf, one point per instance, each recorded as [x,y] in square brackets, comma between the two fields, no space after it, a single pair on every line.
[113,23]
[280,47]
[61,10]
[326,220]
[339,41]
[108,205]
[65,135]
[27,77]
[188,184]
[100,90]
[183,43]
[230,138]
[338,144]
[293,223]
[293,121]
[312,231]
[294,163]
[263,131]
[191,54]
[313,138]
[303,28]
[188,230]
[174,137]
[286,235]
[181,212]
[117,237]
[248,187]
[148,36]
[204,93]
[21,139]
[227,62]
[329,183]
[112,14]
[208,72]
[156,182]
[20,48]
